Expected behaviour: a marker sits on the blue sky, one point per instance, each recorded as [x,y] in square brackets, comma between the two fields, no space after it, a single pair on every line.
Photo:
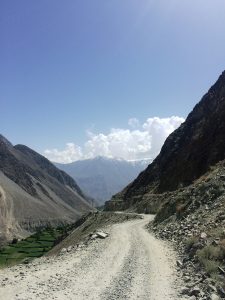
[72,66]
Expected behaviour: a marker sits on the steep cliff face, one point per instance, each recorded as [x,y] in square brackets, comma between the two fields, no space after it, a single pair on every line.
[33,192]
[187,153]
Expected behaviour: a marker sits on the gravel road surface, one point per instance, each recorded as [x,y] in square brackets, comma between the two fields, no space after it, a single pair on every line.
[129,264]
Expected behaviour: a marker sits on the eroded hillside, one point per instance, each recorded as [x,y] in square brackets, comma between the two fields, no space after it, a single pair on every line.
[34,193]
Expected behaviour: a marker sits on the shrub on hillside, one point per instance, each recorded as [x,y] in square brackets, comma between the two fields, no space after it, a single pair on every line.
[210,257]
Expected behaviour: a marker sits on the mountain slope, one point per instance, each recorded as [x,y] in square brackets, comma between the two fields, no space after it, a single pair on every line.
[33,192]
[187,153]
[102,177]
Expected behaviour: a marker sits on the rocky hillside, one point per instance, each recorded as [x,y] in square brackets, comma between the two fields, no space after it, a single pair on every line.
[188,153]
[185,187]
[102,177]
[33,192]
[193,218]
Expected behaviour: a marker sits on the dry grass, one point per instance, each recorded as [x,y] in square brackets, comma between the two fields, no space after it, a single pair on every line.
[211,257]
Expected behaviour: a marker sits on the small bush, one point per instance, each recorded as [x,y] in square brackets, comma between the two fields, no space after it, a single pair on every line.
[217,232]
[190,242]
[211,266]
[210,257]
[210,253]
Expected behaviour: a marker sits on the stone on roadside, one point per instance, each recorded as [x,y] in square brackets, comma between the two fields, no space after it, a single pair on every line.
[203,235]
[69,249]
[214,297]
[179,264]
[222,271]
[215,242]
[212,288]
[185,291]
[101,234]
[94,236]
[64,250]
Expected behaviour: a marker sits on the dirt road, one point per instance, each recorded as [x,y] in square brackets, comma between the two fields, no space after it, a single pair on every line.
[129,264]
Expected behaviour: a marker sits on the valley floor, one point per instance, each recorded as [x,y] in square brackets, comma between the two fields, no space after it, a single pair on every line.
[129,264]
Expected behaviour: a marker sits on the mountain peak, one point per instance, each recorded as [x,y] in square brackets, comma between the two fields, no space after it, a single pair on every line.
[4,141]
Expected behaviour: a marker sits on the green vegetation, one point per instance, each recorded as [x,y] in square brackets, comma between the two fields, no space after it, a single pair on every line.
[211,257]
[34,246]
[190,242]
[37,244]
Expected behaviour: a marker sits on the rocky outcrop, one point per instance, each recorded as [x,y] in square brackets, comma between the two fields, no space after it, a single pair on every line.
[34,193]
[188,152]
[193,219]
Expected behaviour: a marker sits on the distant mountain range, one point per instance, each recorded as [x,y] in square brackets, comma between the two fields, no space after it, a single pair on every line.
[34,193]
[102,177]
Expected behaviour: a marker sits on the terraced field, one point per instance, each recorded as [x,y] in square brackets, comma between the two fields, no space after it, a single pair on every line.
[32,247]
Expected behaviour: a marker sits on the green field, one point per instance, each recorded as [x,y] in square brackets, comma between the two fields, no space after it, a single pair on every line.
[37,244]
[32,247]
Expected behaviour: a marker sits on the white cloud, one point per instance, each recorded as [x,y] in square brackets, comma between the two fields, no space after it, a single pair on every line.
[122,143]
[71,153]
[133,122]
[160,129]
[129,144]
